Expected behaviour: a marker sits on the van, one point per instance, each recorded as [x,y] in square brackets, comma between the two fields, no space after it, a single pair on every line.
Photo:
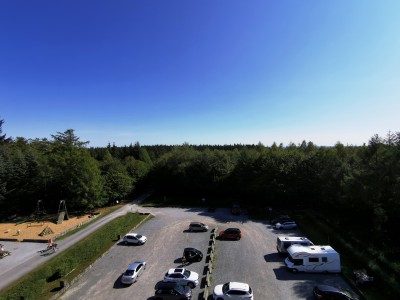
[284,242]
[313,259]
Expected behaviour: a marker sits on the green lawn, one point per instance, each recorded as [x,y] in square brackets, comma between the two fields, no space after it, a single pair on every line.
[44,282]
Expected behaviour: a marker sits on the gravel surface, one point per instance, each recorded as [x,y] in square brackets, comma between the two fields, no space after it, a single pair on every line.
[253,259]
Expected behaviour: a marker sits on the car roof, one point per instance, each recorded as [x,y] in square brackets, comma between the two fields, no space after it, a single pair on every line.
[134,265]
[238,286]
[132,234]
[176,270]
[166,285]
[232,228]
[190,249]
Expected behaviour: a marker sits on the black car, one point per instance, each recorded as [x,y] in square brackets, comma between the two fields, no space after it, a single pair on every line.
[281,219]
[331,293]
[192,255]
[172,291]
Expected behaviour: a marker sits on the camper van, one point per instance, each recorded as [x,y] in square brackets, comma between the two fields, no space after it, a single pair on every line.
[313,259]
[284,242]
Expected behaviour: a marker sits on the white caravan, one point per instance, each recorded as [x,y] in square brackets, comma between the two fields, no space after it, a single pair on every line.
[313,259]
[284,242]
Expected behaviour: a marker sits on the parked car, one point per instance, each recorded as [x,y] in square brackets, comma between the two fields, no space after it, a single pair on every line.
[133,272]
[231,233]
[172,291]
[281,219]
[197,226]
[183,277]
[286,225]
[330,292]
[233,290]
[134,238]
[192,255]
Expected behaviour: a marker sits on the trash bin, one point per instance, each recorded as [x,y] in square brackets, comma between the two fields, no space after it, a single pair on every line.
[118,237]
[62,284]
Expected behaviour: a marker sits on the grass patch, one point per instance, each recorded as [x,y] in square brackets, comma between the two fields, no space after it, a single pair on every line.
[43,282]
[104,212]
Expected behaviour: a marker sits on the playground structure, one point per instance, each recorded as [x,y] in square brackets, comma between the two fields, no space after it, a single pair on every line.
[62,212]
[41,226]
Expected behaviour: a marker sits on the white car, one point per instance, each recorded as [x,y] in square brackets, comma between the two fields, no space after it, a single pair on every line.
[233,291]
[134,238]
[133,272]
[286,225]
[182,276]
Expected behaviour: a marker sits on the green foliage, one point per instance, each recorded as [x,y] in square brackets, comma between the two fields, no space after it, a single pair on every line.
[37,284]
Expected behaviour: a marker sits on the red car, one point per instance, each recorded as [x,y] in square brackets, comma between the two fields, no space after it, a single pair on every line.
[230,233]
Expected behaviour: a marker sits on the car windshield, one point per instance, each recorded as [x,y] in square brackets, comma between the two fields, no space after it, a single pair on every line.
[186,273]
[128,273]
[180,289]
[225,288]
[138,236]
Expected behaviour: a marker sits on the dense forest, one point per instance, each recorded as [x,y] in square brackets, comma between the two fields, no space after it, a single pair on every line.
[361,184]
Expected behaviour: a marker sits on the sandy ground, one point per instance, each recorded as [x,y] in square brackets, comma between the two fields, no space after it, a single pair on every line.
[32,230]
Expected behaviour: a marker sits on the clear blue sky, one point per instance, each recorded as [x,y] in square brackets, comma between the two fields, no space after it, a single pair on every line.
[201,72]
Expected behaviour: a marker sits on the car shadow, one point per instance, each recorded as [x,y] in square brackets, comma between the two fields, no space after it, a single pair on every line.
[182,263]
[119,285]
[273,257]
[128,245]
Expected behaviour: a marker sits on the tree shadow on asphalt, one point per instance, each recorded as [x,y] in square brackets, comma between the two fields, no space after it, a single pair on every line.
[220,215]
[283,274]
[119,285]
[304,290]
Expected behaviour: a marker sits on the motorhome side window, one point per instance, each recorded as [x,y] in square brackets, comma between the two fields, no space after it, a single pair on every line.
[324,259]
[297,262]
[313,259]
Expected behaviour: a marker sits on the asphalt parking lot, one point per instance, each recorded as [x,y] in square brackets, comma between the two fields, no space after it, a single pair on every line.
[253,259]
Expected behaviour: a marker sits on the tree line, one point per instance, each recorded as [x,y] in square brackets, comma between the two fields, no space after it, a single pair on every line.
[360,184]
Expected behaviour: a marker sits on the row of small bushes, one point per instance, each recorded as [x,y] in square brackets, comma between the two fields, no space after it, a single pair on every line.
[43,282]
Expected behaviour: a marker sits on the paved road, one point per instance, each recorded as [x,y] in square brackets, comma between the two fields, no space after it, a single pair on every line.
[25,257]
[253,259]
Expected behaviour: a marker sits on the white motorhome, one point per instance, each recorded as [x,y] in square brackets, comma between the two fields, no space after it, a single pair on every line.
[313,259]
[284,242]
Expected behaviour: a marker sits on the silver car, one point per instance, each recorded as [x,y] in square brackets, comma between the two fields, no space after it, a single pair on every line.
[133,272]
[286,225]
[134,238]
[183,277]
[197,226]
